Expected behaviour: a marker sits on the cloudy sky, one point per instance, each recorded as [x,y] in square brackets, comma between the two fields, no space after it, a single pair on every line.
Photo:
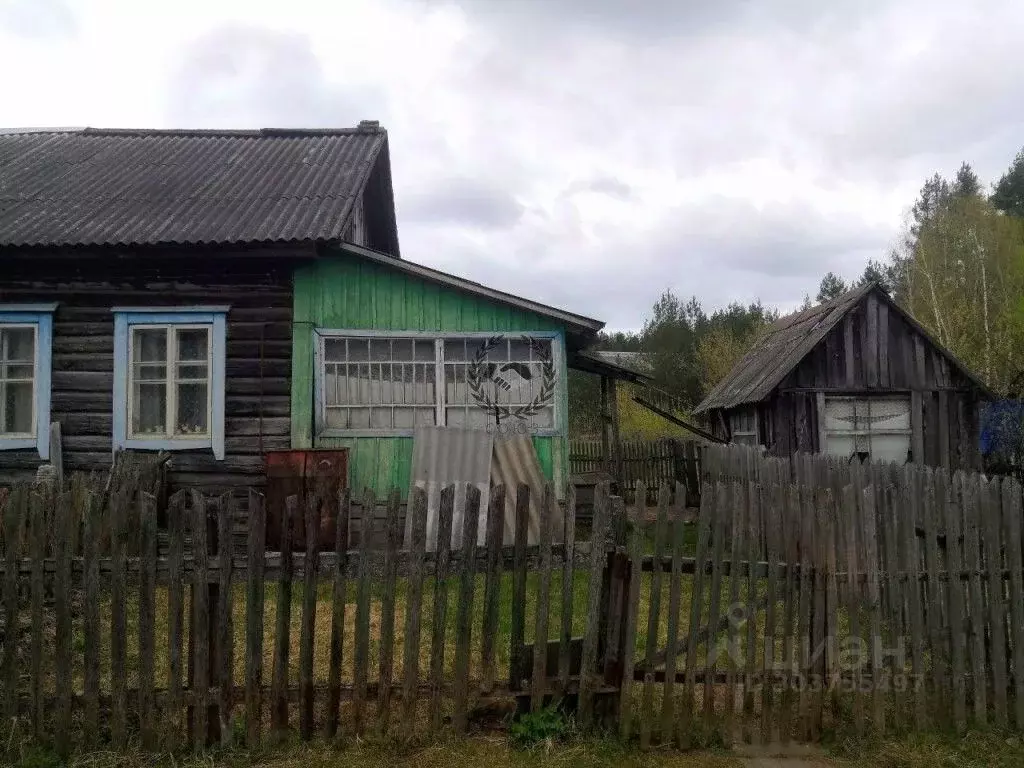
[586,153]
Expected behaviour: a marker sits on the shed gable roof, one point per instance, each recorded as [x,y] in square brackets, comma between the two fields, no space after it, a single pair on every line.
[147,187]
[789,340]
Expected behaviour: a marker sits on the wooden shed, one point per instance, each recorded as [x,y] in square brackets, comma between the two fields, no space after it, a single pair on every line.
[853,376]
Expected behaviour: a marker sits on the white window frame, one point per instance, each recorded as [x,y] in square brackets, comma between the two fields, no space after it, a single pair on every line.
[38,317]
[321,335]
[854,433]
[171,381]
[126,321]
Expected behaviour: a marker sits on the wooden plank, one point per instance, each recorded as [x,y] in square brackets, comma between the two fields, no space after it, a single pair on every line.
[757,496]
[818,664]
[568,591]
[772,514]
[868,515]
[282,626]
[724,508]
[848,348]
[992,525]
[672,639]
[149,726]
[917,427]
[175,607]
[790,609]
[225,645]
[907,518]
[91,617]
[871,343]
[805,614]
[517,662]
[589,673]
[64,537]
[441,572]
[945,449]
[39,509]
[464,612]
[414,601]
[850,561]
[653,620]
[387,611]
[254,613]
[307,626]
[14,516]
[118,622]
[708,502]
[883,345]
[492,585]
[636,548]
[737,524]
[200,624]
[892,607]
[361,653]
[939,686]
[977,623]
[957,598]
[540,634]
[1011,498]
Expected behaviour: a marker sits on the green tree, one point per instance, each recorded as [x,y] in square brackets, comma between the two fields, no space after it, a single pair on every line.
[832,285]
[966,183]
[1008,193]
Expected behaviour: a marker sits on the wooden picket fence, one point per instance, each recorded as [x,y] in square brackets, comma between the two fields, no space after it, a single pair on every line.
[106,640]
[650,462]
[864,597]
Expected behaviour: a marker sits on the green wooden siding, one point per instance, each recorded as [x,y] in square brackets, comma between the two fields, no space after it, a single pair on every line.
[350,293]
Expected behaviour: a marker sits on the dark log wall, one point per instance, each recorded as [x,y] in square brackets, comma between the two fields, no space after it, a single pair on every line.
[256,283]
[874,350]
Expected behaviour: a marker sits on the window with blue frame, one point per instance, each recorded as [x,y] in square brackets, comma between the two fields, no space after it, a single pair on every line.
[26,334]
[169,378]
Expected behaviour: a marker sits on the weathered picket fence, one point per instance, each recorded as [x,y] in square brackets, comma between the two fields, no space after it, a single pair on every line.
[867,597]
[105,638]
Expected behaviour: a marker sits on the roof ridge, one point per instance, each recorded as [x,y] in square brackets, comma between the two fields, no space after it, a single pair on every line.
[364,127]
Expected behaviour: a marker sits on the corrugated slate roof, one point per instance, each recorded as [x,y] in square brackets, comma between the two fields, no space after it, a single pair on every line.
[140,187]
[781,349]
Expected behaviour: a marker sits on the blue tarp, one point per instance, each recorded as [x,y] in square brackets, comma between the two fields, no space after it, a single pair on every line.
[1002,427]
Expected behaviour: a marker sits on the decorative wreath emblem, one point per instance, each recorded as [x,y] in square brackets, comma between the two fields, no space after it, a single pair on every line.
[481,371]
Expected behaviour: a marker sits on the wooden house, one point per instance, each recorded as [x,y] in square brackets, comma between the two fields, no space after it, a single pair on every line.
[856,375]
[222,295]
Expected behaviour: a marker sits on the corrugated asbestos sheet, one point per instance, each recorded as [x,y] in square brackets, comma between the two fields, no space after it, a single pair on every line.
[515,462]
[443,456]
[779,351]
[134,187]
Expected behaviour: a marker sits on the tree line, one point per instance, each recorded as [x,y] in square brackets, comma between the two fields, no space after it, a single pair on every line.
[957,267]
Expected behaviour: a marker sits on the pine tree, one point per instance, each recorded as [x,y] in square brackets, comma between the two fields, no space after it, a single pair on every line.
[1008,194]
[832,285]
[966,183]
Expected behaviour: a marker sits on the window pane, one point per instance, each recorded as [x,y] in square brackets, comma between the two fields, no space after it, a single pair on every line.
[358,349]
[337,418]
[192,411]
[19,345]
[192,371]
[193,344]
[456,350]
[18,409]
[150,345]
[334,350]
[380,418]
[150,372]
[149,414]
[359,418]
[19,372]
[380,350]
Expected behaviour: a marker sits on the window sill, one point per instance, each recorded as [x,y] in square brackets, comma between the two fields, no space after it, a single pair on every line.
[18,443]
[170,444]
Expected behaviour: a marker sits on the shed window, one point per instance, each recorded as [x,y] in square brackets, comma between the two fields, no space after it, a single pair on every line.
[743,426]
[169,379]
[870,427]
[392,383]
[26,332]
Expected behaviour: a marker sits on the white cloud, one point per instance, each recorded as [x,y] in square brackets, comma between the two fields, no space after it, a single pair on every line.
[567,150]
